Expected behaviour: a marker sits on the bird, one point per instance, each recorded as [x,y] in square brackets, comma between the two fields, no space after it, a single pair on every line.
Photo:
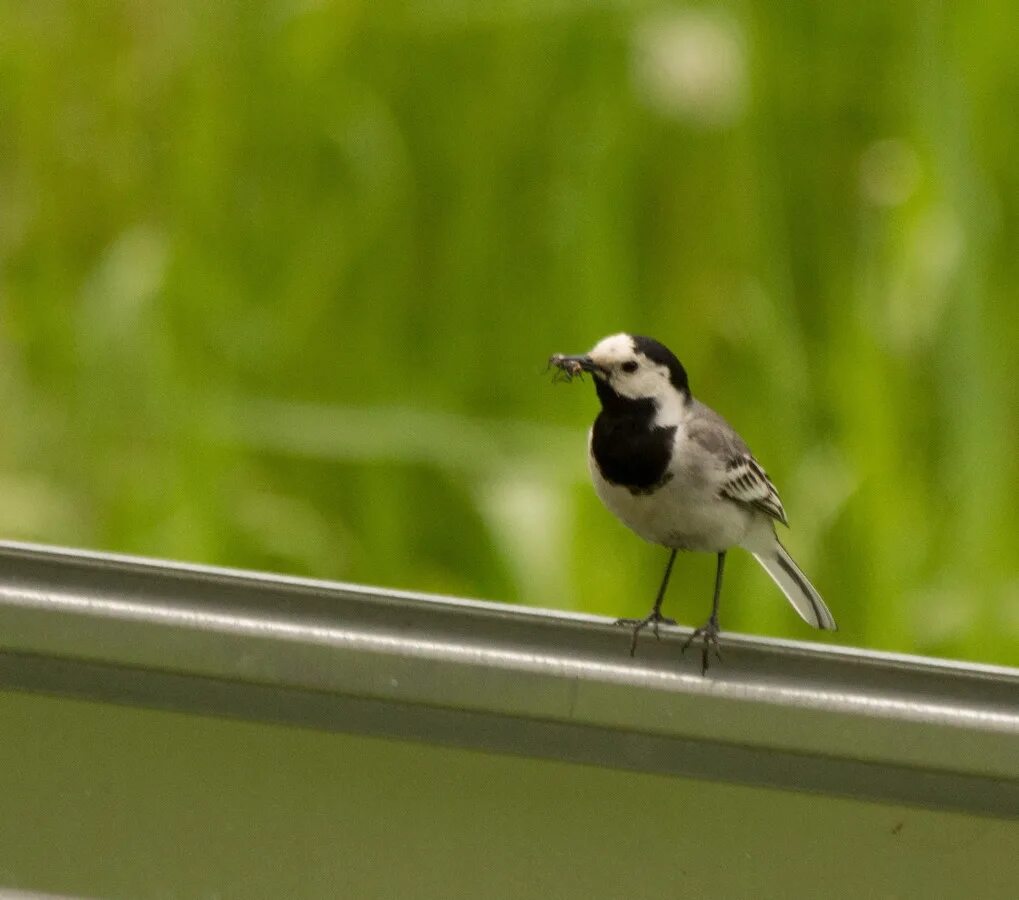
[679,475]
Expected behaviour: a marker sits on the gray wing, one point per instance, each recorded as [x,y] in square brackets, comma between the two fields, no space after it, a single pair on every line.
[747,482]
[744,479]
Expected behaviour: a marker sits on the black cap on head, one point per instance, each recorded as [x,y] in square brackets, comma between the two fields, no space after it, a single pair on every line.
[659,353]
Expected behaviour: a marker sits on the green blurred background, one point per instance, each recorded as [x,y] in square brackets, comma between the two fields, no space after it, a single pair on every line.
[278,281]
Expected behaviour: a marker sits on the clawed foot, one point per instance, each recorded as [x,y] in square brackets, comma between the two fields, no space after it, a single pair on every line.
[709,633]
[653,618]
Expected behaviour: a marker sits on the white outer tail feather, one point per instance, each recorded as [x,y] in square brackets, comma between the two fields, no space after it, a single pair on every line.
[794,584]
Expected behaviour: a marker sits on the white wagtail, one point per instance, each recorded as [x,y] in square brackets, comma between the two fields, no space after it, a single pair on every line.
[674,471]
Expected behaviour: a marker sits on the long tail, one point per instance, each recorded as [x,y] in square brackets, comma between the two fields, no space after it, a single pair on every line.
[787,575]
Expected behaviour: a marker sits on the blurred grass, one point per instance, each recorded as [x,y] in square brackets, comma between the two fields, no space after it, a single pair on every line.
[278,280]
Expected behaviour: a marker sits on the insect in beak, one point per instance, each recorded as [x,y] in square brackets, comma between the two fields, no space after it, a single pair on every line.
[570,367]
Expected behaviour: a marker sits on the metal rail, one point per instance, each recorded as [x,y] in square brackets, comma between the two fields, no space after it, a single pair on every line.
[507,679]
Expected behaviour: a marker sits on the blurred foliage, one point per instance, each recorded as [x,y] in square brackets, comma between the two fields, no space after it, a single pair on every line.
[278,281]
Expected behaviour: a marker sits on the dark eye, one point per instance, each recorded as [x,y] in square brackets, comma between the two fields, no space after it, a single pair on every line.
[630,366]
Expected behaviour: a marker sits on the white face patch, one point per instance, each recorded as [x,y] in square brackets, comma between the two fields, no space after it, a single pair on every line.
[615,355]
[614,349]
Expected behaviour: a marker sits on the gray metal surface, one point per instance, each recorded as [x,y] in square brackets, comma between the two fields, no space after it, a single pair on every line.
[507,679]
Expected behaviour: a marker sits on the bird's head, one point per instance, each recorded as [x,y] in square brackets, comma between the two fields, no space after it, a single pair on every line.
[629,368]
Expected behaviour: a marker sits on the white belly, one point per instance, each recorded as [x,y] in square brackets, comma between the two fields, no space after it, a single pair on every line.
[686,512]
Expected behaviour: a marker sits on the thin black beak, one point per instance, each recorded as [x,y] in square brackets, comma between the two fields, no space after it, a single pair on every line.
[573,365]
